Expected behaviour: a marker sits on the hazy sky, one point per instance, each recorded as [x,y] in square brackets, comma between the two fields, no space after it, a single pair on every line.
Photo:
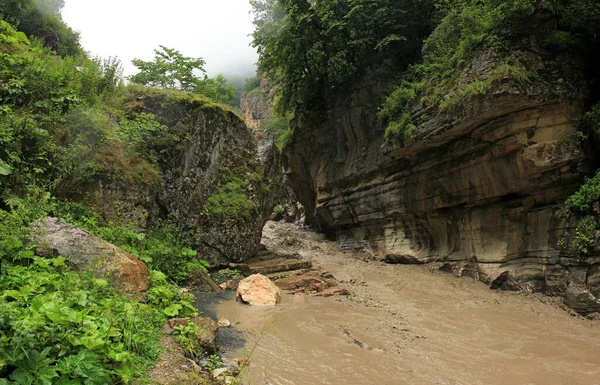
[216,30]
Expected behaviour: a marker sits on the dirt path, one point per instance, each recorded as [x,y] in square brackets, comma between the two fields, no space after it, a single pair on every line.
[410,325]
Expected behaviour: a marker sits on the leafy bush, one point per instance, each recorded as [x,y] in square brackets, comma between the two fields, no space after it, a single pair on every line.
[230,200]
[278,127]
[585,237]
[279,210]
[162,248]
[582,200]
[138,132]
[58,326]
[41,19]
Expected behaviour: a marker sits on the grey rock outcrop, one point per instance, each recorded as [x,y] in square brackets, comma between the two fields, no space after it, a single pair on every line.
[217,180]
[86,252]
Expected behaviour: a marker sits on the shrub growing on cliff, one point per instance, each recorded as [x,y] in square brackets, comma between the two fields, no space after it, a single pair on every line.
[471,27]
[231,200]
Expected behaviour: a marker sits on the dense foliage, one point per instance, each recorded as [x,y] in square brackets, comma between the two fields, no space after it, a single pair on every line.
[498,29]
[308,49]
[41,19]
[62,327]
[63,129]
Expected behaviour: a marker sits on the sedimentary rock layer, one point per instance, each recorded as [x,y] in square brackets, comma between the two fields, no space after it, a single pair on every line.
[477,189]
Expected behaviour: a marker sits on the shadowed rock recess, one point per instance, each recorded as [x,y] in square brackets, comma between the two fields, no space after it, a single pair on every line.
[477,187]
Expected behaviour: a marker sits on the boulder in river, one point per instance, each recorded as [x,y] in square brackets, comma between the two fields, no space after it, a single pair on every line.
[258,290]
[86,252]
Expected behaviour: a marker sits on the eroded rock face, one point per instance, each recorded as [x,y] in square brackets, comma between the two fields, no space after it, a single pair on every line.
[210,155]
[477,189]
[258,290]
[256,105]
[86,252]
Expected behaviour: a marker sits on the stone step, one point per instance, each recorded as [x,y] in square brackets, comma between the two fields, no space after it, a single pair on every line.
[278,265]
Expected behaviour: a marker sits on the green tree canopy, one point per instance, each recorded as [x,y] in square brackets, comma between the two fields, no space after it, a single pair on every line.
[170,70]
[41,19]
[309,48]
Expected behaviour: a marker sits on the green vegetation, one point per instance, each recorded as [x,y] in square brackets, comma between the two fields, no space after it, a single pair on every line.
[279,128]
[580,204]
[171,70]
[228,273]
[58,326]
[308,49]
[163,248]
[41,19]
[496,29]
[231,200]
[279,210]
[252,84]
[67,126]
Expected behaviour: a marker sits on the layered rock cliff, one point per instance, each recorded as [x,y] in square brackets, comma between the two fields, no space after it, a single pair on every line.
[477,187]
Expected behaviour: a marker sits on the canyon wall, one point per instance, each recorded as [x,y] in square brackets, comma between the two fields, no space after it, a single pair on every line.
[476,189]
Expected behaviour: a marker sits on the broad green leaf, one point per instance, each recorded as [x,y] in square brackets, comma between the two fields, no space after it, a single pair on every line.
[5,169]
[173,310]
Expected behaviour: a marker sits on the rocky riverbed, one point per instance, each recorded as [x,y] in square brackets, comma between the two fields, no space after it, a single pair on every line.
[404,325]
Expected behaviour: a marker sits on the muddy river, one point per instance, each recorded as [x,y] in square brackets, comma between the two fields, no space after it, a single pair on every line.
[406,325]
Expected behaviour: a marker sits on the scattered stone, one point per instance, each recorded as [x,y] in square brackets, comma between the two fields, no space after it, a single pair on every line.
[206,339]
[506,282]
[226,285]
[218,372]
[277,263]
[175,322]
[403,259]
[258,290]
[195,366]
[224,322]
[199,280]
[203,363]
[580,299]
[333,292]
[229,380]
[86,252]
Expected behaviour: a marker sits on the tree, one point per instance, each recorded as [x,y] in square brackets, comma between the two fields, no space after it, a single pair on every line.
[218,89]
[41,19]
[170,70]
[309,48]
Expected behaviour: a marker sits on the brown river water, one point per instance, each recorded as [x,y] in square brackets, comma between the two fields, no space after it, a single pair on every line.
[408,325]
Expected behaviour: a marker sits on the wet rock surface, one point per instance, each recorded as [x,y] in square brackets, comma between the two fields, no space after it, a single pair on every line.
[258,290]
[86,252]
